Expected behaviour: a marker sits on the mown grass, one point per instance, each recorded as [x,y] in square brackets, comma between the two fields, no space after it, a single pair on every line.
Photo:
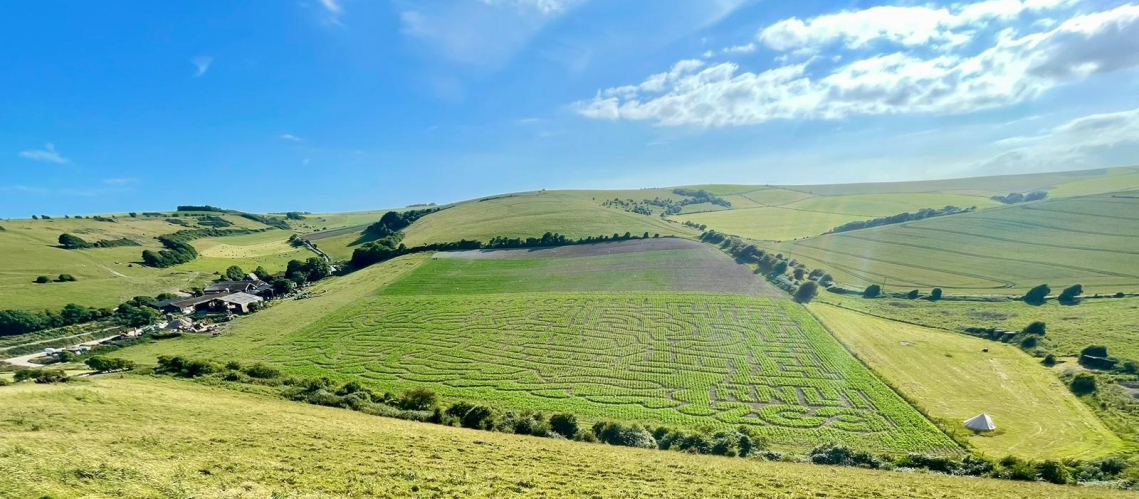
[149,437]
[1084,240]
[1105,321]
[952,378]
[880,205]
[574,214]
[664,265]
[683,360]
[768,223]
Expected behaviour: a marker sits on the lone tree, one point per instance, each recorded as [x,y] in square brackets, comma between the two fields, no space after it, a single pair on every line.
[1037,295]
[872,291]
[43,279]
[935,294]
[913,294]
[1071,294]
[807,292]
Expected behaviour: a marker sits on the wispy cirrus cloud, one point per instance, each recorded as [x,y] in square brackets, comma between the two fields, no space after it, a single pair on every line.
[290,137]
[201,64]
[1010,70]
[48,154]
[1095,140]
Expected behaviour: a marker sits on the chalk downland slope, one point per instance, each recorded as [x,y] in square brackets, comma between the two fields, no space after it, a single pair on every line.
[953,378]
[145,437]
[574,214]
[643,265]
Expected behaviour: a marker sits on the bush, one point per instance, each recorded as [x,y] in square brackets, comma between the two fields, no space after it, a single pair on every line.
[628,436]
[1131,367]
[1037,295]
[66,278]
[807,292]
[1120,294]
[1049,360]
[1036,327]
[1083,384]
[872,291]
[1094,351]
[418,399]
[43,279]
[41,375]
[479,418]
[1055,472]
[564,425]
[234,273]
[935,294]
[841,455]
[261,371]
[913,295]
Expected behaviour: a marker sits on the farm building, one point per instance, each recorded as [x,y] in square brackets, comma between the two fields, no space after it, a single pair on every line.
[240,302]
[227,287]
[184,305]
[180,324]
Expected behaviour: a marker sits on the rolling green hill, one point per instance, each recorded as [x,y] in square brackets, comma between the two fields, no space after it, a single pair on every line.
[1086,240]
[145,437]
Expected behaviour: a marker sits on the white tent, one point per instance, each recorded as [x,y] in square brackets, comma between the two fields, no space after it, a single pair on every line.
[981,422]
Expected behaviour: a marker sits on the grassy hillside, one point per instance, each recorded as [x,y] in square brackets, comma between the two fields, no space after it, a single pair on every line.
[953,378]
[1110,322]
[141,437]
[686,360]
[573,214]
[656,265]
[1085,240]
[769,223]
[1000,184]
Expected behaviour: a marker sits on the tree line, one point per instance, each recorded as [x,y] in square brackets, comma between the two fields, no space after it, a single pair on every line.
[1016,197]
[394,221]
[390,247]
[901,218]
[69,241]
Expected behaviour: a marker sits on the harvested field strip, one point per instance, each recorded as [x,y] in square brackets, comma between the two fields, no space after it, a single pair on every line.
[687,360]
[955,377]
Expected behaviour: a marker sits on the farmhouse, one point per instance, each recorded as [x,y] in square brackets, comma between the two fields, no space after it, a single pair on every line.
[184,305]
[227,287]
[240,302]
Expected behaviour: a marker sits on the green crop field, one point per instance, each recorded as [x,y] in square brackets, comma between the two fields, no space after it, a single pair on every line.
[665,264]
[769,223]
[145,437]
[689,360]
[573,214]
[1085,240]
[1108,321]
[952,378]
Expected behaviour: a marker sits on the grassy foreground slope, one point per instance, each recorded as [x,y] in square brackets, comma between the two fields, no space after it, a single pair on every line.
[1085,240]
[952,378]
[573,214]
[144,437]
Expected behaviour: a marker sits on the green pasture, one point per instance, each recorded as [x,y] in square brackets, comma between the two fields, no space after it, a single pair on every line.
[1082,240]
[768,223]
[953,377]
[685,360]
[132,436]
[677,265]
[1113,322]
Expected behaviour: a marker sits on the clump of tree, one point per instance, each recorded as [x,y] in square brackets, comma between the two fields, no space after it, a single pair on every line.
[40,375]
[806,292]
[234,273]
[901,218]
[1016,197]
[1037,295]
[294,215]
[65,278]
[202,207]
[1096,357]
[214,221]
[311,270]
[1083,384]
[872,291]
[104,364]
[275,222]
[935,294]
[43,279]
[1071,294]
[395,221]
[68,241]
[1035,327]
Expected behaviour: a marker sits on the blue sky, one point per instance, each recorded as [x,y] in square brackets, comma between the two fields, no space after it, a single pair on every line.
[337,105]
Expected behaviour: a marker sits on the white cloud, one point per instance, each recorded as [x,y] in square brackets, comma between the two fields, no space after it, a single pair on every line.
[908,26]
[202,63]
[740,49]
[332,6]
[47,154]
[1012,70]
[1089,141]
[546,7]
[290,137]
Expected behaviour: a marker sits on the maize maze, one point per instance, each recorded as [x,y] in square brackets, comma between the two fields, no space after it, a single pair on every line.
[682,360]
